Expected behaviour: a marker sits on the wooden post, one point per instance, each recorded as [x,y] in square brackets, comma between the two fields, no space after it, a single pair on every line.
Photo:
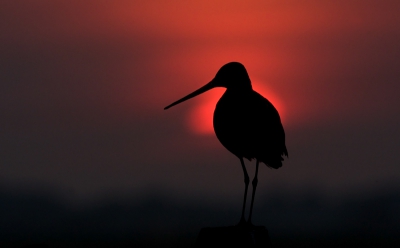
[233,236]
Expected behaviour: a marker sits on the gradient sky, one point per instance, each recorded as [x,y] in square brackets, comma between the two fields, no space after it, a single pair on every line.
[83,85]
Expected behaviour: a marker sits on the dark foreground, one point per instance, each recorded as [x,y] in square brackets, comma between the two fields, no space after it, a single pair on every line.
[293,220]
[191,242]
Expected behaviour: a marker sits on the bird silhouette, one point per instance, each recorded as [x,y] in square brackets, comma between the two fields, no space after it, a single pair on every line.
[246,124]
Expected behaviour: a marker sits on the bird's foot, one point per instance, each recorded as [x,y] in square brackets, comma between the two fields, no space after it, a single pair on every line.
[245,224]
[250,224]
[242,223]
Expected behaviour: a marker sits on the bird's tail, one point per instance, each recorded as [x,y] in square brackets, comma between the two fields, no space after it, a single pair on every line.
[276,162]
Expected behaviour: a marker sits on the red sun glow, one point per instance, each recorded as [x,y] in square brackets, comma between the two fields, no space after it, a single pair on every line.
[200,118]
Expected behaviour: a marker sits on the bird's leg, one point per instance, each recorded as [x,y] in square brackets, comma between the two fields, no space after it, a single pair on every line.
[246,186]
[255,181]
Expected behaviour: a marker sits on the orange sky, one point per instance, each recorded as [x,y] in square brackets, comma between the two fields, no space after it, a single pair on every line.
[108,68]
[285,45]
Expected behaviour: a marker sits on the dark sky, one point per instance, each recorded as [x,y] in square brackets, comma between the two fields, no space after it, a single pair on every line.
[83,85]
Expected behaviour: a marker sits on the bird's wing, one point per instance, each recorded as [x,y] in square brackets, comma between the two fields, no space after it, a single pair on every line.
[269,130]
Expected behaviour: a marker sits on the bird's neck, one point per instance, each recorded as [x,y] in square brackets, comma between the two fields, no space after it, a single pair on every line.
[240,88]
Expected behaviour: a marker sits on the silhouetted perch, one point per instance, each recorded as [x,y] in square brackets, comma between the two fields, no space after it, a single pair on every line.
[233,236]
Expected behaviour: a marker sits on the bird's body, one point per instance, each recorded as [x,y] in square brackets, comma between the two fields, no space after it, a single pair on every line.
[246,123]
[249,126]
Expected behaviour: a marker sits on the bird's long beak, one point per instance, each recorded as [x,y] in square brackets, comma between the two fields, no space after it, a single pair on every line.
[203,89]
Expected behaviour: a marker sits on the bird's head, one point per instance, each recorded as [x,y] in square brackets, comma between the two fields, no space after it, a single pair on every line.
[232,76]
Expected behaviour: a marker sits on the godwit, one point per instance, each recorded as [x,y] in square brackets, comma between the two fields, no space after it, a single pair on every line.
[246,123]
